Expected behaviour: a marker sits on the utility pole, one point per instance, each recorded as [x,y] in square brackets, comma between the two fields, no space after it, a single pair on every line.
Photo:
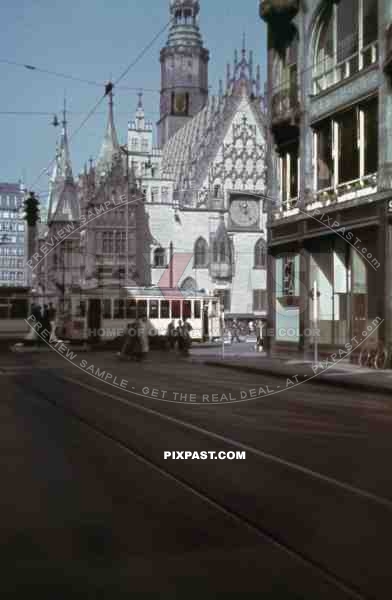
[171,279]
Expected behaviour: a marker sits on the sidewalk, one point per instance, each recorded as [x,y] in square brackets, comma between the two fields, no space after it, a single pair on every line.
[342,374]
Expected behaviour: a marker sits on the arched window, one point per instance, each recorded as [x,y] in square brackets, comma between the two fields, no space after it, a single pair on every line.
[201,253]
[260,254]
[346,41]
[160,257]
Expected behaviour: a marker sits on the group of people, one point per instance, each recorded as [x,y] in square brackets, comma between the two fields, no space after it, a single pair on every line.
[136,340]
[180,335]
[46,316]
[237,329]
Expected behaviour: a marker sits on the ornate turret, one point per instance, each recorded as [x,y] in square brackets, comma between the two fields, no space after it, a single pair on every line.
[110,149]
[63,198]
[184,69]
[243,80]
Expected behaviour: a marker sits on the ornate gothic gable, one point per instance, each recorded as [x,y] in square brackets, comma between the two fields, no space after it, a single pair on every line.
[223,146]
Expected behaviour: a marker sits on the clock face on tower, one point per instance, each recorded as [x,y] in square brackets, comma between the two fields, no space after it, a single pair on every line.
[244,212]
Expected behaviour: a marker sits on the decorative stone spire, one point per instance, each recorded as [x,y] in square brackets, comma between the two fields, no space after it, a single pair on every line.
[53,181]
[63,198]
[110,149]
[243,80]
[64,161]
[140,116]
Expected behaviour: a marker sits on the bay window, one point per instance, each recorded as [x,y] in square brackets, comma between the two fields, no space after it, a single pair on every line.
[346,41]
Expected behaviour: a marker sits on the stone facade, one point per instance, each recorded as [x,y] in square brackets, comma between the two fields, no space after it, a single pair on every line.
[193,213]
[329,176]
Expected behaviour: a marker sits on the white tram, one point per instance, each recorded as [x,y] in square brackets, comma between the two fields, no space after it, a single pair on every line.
[106,312]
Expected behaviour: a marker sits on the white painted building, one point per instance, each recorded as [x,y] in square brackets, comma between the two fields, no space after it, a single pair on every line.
[204,190]
[202,224]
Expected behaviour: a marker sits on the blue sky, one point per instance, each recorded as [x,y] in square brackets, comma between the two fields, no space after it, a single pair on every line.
[95,40]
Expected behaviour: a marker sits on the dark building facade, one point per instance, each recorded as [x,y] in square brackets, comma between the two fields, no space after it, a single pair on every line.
[330,171]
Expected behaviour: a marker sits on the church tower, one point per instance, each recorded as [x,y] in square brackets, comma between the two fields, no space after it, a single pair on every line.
[184,70]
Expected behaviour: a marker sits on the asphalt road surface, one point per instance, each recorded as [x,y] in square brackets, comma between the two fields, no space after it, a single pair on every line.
[89,506]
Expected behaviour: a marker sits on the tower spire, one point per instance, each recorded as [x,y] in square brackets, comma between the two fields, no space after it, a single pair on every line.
[140,116]
[63,198]
[64,160]
[110,148]
[180,98]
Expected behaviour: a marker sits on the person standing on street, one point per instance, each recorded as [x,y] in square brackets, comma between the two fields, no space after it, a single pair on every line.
[52,322]
[171,334]
[143,333]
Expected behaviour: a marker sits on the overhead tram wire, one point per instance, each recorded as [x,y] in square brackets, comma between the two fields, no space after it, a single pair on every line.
[109,86]
[72,77]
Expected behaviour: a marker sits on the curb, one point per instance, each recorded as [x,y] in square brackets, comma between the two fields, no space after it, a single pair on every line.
[342,383]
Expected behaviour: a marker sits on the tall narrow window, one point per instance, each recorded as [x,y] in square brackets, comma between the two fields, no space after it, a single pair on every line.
[201,253]
[370,111]
[348,146]
[260,254]
[289,175]
[159,257]
[324,155]
[347,29]
[370,31]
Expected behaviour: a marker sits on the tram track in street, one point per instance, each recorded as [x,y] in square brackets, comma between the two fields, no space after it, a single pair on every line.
[350,589]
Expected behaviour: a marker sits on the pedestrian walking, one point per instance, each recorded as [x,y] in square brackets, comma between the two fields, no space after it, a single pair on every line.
[171,334]
[52,322]
[185,336]
[45,319]
[128,346]
[37,314]
[259,337]
[235,332]
[143,334]
[180,336]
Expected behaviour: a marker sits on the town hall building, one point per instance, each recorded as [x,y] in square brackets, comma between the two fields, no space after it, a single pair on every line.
[197,219]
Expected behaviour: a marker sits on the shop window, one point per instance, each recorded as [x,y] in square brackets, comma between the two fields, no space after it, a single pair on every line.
[288,286]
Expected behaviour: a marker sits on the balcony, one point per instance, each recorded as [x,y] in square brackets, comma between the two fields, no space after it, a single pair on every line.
[273,11]
[285,113]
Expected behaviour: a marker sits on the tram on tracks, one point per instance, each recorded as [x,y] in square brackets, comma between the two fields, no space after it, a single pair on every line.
[106,314]
[103,313]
